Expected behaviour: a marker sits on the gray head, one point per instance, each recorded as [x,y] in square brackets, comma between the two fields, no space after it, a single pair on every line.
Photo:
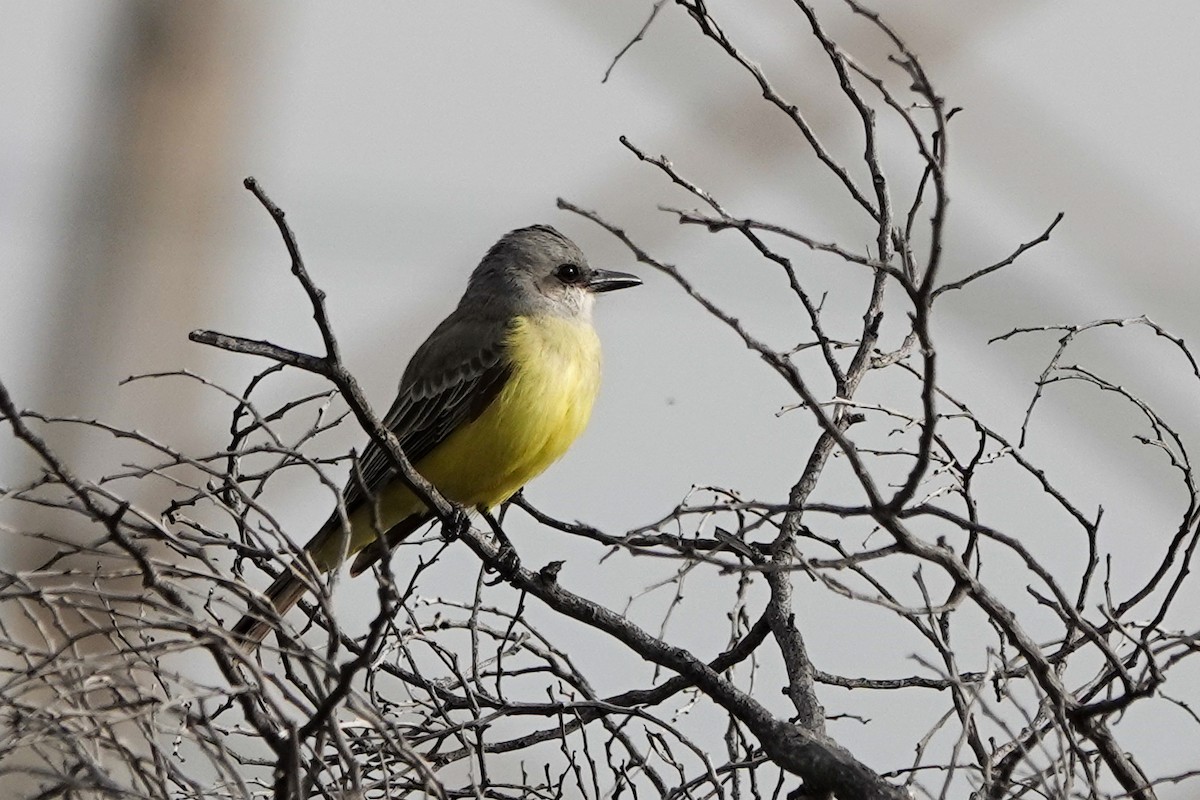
[537,270]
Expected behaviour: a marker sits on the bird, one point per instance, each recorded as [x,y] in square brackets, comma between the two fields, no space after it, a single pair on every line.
[497,393]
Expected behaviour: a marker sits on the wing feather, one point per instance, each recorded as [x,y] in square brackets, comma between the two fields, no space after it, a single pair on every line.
[452,378]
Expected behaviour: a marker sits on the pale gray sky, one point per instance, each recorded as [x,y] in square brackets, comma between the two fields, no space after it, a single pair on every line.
[403,138]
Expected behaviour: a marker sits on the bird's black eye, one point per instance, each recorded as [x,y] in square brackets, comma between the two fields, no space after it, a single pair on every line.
[568,273]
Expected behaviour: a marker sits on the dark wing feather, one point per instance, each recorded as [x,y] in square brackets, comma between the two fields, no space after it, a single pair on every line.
[452,378]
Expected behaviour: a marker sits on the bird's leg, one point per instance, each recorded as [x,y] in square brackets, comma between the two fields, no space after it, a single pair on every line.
[520,493]
[507,561]
[459,523]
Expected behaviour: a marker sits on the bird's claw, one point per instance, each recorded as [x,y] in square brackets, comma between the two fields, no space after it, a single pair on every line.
[458,523]
[506,563]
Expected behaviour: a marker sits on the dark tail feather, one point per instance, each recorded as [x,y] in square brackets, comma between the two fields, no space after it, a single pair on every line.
[384,545]
[284,593]
[288,588]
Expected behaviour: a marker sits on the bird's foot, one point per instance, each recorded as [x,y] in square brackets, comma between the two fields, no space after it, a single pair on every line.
[507,562]
[458,524]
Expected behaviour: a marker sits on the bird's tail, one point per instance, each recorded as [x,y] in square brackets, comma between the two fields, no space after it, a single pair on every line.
[283,593]
[289,587]
[383,546]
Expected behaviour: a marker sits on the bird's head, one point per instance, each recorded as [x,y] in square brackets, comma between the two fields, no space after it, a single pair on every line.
[540,271]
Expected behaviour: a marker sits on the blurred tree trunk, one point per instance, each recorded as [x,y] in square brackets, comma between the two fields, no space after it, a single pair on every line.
[142,257]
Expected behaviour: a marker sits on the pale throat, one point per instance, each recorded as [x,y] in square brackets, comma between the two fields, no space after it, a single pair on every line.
[567,346]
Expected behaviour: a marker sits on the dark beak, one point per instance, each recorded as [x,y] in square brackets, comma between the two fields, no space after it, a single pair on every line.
[603,280]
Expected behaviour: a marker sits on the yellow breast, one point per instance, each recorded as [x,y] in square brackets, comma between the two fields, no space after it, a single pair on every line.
[541,410]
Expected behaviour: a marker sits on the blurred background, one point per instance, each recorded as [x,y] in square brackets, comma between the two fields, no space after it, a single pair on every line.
[403,138]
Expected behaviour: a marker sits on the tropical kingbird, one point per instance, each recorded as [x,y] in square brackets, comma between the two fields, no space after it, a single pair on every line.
[496,394]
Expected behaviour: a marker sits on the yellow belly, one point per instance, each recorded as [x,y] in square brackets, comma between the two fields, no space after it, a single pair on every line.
[537,415]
